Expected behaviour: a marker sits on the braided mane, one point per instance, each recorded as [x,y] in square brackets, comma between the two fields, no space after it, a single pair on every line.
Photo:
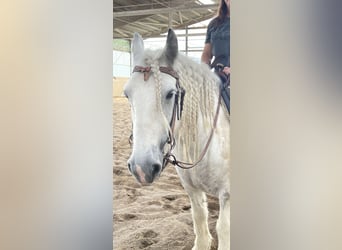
[201,88]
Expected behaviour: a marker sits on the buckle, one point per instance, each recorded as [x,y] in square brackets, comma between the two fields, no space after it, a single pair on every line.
[219,67]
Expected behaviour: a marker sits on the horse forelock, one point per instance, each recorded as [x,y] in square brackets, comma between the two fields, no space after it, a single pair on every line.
[155,59]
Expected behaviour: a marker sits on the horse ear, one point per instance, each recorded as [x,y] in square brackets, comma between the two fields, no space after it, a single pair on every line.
[171,47]
[137,48]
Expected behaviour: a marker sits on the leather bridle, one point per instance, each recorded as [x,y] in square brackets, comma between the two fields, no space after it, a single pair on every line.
[169,157]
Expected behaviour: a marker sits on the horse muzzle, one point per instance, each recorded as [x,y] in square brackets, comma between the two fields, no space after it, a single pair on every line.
[145,172]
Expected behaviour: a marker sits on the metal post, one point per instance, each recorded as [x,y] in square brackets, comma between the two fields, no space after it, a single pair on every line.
[186,40]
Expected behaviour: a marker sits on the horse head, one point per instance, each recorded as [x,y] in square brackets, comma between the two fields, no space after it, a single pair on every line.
[152,93]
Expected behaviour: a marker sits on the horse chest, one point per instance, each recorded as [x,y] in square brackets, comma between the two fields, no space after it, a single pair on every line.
[200,178]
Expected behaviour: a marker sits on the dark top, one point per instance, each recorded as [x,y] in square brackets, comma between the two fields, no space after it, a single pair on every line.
[218,35]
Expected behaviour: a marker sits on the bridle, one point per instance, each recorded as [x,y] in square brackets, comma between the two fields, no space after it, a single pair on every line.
[169,157]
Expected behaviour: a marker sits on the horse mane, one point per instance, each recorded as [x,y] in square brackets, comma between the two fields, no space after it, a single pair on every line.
[200,101]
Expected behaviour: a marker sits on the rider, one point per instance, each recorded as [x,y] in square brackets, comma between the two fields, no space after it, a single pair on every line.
[217,44]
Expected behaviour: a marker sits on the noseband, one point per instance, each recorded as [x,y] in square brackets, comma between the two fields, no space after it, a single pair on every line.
[169,157]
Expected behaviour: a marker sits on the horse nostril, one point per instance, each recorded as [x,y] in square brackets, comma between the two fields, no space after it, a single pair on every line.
[129,167]
[155,169]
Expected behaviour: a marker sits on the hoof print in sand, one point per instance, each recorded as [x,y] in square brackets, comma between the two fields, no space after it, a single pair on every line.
[186,207]
[144,243]
[148,239]
[169,197]
[129,216]
[157,203]
[150,234]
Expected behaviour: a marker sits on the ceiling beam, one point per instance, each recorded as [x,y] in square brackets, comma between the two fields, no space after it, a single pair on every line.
[151,26]
[180,17]
[163,10]
[121,33]
[179,35]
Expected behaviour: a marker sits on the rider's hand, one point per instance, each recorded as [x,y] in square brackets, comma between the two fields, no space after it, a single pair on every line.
[226,70]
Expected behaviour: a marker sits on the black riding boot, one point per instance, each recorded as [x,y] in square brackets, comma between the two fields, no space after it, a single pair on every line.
[225,89]
[225,93]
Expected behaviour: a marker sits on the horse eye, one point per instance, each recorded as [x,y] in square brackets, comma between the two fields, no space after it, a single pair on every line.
[170,94]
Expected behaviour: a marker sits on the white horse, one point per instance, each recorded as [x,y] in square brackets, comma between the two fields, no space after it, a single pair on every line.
[175,109]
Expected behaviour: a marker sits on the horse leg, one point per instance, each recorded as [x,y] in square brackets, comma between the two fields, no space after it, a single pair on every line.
[200,218]
[223,223]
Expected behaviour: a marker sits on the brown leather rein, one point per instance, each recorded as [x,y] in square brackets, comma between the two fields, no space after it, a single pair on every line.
[169,157]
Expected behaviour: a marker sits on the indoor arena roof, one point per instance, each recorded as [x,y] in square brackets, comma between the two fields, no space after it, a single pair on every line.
[154,17]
